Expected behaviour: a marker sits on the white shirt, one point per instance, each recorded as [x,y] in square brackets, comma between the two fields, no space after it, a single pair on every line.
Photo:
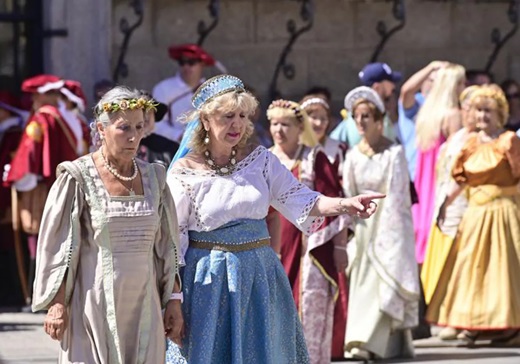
[176,94]
[206,201]
[74,123]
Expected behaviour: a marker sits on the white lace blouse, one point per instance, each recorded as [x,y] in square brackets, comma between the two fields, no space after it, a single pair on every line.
[205,201]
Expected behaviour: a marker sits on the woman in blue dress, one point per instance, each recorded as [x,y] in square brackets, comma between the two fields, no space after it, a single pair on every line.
[238,305]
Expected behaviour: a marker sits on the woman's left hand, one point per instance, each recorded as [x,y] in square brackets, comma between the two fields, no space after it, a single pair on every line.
[174,322]
[362,205]
[56,321]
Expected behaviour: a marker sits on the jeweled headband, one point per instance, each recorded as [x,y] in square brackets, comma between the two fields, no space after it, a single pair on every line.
[214,87]
[366,93]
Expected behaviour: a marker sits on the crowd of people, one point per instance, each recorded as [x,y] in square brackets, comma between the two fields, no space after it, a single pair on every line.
[174,227]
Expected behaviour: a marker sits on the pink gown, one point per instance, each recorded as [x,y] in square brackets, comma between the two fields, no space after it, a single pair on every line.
[422,212]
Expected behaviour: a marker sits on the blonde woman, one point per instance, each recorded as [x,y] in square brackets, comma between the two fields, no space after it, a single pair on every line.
[438,118]
[478,287]
[312,263]
[238,306]
[320,118]
[442,237]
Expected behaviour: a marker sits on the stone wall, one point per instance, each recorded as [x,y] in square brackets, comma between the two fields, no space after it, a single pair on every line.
[252,33]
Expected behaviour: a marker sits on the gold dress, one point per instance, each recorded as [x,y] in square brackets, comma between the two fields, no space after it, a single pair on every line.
[478,288]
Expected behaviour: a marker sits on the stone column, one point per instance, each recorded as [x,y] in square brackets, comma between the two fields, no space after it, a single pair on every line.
[85,53]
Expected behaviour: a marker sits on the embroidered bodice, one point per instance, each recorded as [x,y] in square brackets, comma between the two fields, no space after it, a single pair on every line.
[206,201]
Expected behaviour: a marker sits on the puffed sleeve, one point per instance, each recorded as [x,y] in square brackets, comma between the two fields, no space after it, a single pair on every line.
[512,152]
[291,198]
[183,208]
[458,173]
[58,241]
[166,240]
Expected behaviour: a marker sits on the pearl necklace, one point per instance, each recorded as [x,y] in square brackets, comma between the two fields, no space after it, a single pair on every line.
[222,170]
[116,173]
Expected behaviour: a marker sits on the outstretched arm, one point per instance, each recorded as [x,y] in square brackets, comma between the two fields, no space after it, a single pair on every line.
[361,206]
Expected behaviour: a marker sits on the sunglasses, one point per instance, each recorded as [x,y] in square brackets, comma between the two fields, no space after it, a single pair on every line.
[189,62]
[515,95]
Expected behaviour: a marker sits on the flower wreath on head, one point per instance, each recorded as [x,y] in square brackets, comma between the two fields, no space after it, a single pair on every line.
[128,104]
[284,104]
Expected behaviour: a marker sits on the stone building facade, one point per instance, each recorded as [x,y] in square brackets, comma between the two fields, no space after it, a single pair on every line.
[251,34]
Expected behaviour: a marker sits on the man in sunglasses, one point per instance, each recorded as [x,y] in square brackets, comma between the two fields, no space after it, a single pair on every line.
[176,92]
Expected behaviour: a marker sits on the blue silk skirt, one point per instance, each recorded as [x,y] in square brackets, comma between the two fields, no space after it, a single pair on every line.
[238,306]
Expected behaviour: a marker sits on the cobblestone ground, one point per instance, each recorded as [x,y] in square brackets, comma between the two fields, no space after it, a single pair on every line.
[22,341]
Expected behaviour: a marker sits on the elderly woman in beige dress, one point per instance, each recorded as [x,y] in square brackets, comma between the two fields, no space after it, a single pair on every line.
[108,249]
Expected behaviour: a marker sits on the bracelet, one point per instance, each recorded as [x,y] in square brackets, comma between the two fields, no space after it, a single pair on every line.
[342,208]
[340,247]
[177,296]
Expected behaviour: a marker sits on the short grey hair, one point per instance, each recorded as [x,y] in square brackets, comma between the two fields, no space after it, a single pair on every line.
[116,94]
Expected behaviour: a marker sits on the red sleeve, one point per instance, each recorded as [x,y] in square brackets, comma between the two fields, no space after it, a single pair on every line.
[28,157]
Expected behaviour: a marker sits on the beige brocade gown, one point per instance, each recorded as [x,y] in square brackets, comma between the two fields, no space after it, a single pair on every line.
[120,259]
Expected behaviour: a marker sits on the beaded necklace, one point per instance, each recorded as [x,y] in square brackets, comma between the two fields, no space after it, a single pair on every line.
[221,170]
[117,174]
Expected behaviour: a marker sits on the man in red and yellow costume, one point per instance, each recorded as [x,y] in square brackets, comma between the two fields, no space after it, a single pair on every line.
[47,140]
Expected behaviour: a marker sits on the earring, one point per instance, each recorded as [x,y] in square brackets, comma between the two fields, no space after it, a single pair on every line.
[101,137]
[206,139]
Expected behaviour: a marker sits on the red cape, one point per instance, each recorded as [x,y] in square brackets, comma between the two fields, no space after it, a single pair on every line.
[46,142]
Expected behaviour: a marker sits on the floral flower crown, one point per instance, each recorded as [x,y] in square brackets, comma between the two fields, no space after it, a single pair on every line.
[128,104]
[285,104]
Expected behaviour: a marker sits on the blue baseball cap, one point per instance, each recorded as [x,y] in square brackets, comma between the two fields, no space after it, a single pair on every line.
[377,72]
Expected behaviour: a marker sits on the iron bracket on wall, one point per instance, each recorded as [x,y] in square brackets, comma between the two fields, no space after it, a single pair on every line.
[496,37]
[202,29]
[399,13]
[288,69]
[127,29]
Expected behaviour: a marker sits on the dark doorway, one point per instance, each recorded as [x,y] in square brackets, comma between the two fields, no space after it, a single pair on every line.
[21,43]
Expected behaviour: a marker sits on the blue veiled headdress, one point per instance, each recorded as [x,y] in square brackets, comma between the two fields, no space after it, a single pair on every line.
[214,87]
